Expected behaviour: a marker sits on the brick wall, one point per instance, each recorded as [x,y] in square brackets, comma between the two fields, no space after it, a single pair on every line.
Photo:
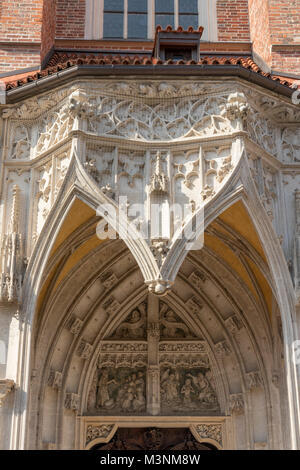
[260,31]
[14,58]
[20,22]
[70,19]
[284,18]
[233,20]
[286,61]
[48,28]
[276,23]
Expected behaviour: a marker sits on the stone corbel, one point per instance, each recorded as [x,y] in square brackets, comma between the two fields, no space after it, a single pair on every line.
[236,403]
[6,386]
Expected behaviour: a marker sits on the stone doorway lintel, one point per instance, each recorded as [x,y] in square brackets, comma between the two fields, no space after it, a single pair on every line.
[93,430]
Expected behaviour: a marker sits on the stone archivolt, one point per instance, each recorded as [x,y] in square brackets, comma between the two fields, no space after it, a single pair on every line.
[169,367]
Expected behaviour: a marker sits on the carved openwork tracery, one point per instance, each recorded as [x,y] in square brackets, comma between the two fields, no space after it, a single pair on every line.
[149,142]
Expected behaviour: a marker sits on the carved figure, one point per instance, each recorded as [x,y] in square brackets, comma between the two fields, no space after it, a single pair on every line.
[103,398]
[123,393]
[206,392]
[169,384]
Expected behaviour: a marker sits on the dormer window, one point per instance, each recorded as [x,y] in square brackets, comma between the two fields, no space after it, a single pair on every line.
[177,44]
[137,19]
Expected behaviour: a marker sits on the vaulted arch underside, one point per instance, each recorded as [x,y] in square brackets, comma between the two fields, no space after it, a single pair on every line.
[108,354]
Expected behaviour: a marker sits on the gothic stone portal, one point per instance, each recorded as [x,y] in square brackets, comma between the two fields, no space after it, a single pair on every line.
[153,363]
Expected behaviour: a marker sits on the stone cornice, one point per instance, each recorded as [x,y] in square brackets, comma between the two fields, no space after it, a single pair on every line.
[171,71]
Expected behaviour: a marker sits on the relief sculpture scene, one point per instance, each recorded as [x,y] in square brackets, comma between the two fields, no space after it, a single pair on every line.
[188,390]
[118,391]
[125,383]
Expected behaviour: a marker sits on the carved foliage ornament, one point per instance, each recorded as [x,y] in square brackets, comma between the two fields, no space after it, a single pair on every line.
[96,432]
[210,431]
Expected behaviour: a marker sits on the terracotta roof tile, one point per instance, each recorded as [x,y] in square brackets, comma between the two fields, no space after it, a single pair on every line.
[63,60]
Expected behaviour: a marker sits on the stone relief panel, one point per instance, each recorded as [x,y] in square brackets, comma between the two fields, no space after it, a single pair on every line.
[20,142]
[150,364]
[211,431]
[187,390]
[134,326]
[120,390]
[291,145]
[150,90]
[171,326]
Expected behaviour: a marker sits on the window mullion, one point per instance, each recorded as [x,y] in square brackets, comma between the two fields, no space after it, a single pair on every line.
[176,13]
[98,24]
[151,18]
[125,19]
[203,6]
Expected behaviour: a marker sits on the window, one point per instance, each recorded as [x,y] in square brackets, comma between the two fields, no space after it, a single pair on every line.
[188,13]
[113,19]
[164,13]
[137,19]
